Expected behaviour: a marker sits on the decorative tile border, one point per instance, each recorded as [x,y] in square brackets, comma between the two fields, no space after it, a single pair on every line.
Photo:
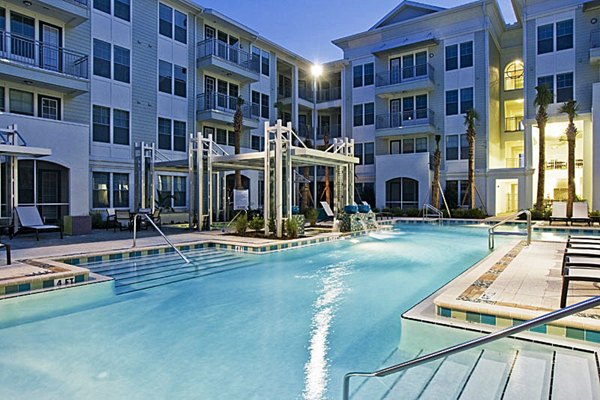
[504,322]
[535,228]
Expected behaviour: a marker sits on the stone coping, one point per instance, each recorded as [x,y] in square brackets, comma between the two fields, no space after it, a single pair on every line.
[482,295]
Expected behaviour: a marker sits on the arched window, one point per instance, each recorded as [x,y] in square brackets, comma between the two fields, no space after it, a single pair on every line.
[402,193]
[513,76]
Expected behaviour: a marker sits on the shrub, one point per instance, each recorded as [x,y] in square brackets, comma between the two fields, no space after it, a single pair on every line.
[241,224]
[470,213]
[256,223]
[272,226]
[291,228]
[412,212]
[311,215]
[97,221]
[397,212]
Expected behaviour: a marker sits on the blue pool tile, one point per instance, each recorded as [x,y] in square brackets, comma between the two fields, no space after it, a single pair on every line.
[11,289]
[73,261]
[488,319]
[539,329]
[48,284]
[117,256]
[79,278]
[24,287]
[445,312]
[592,336]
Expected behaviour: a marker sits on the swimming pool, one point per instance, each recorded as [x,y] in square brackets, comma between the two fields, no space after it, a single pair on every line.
[278,326]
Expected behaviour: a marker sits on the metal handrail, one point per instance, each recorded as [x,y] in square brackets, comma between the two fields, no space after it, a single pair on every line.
[427,208]
[532,323]
[135,217]
[492,230]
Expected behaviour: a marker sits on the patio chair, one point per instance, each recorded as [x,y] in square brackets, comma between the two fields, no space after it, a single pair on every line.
[111,219]
[576,274]
[156,216]
[559,212]
[328,212]
[123,220]
[31,221]
[580,213]
[583,237]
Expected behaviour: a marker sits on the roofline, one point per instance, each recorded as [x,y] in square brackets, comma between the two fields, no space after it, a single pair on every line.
[215,13]
[404,4]
[447,11]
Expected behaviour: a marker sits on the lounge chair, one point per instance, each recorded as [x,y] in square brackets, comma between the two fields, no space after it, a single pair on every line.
[30,220]
[156,216]
[559,212]
[6,248]
[576,274]
[111,219]
[328,212]
[123,219]
[584,237]
[580,213]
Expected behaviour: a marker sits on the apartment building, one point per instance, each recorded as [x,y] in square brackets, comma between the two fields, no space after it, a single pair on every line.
[94,81]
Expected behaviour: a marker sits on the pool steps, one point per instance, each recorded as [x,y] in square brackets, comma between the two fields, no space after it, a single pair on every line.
[482,374]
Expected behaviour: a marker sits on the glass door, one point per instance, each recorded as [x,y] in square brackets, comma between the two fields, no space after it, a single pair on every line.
[50,46]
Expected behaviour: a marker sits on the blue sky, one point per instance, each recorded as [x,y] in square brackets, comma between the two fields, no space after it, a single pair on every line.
[307,27]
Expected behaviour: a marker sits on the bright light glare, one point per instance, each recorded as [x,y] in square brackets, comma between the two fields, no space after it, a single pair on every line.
[316,70]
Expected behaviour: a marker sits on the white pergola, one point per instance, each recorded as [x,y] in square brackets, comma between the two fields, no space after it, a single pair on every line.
[283,152]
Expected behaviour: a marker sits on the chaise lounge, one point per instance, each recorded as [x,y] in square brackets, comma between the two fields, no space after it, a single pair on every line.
[31,221]
[580,213]
[559,212]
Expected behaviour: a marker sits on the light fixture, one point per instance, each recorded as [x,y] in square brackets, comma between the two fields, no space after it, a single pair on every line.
[28,83]
[316,70]
[27,3]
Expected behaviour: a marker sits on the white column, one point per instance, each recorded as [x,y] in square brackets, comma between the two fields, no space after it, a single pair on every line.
[278,179]
[295,76]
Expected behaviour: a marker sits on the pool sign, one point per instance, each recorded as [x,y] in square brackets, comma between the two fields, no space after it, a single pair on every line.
[240,199]
[64,281]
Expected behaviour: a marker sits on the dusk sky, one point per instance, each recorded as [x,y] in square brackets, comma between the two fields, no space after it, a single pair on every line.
[307,27]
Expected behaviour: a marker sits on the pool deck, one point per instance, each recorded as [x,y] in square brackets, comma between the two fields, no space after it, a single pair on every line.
[513,284]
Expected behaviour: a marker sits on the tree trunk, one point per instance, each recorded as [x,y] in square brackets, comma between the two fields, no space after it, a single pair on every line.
[327,191]
[472,172]
[435,184]
[571,132]
[238,173]
[539,204]
[305,189]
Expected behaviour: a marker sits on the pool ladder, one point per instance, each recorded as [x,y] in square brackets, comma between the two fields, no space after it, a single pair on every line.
[143,215]
[492,231]
[431,213]
[492,337]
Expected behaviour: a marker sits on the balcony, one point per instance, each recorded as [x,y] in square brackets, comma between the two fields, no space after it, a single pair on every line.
[514,124]
[394,81]
[48,66]
[332,131]
[330,94]
[70,12]
[221,108]
[595,46]
[405,123]
[219,57]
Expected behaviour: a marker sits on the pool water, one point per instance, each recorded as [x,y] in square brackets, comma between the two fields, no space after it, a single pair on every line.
[288,325]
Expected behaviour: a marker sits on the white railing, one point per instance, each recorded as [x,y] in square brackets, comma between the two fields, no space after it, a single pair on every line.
[432,213]
[492,231]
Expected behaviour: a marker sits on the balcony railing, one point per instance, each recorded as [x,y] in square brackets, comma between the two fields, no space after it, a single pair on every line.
[405,118]
[41,55]
[559,164]
[514,124]
[305,131]
[305,93]
[332,93]
[83,3]
[217,48]
[407,74]
[220,102]
[284,92]
[332,131]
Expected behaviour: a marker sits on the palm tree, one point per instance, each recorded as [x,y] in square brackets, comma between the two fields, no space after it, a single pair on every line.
[471,117]
[327,190]
[238,124]
[570,108]
[435,184]
[542,99]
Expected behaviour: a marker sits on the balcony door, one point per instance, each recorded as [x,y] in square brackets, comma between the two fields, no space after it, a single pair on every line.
[22,34]
[50,44]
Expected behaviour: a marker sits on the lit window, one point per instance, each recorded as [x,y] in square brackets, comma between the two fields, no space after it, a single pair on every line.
[513,76]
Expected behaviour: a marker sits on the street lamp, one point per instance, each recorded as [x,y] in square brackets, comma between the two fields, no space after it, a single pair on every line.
[316,71]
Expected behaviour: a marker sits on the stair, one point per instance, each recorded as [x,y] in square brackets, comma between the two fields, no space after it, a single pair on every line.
[132,275]
[480,374]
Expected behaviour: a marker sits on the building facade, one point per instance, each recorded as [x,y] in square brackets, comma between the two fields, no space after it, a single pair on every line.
[93,81]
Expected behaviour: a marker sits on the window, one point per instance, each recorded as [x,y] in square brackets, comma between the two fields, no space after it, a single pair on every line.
[222,136]
[357,76]
[122,9]
[369,74]
[121,127]
[120,190]
[179,191]
[2,106]
[255,106]
[164,134]
[180,27]
[173,188]
[231,138]
[408,146]
[102,5]
[466,54]
[358,152]
[369,113]
[513,76]
[179,136]
[101,58]
[451,57]
[455,192]
[100,185]
[265,63]
[421,145]
[402,193]
[23,31]
[101,124]
[549,82]
[564,35]
[180,83]
[451,102]
[121,65]
[369,155]
[165,17]
[49,107]
[256,59]
[257,143]
[264,109]
[165,77]
[358,115]
[457,147]
[564,87]
[464,147]
[545,39]
[466,100]
[21,102]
